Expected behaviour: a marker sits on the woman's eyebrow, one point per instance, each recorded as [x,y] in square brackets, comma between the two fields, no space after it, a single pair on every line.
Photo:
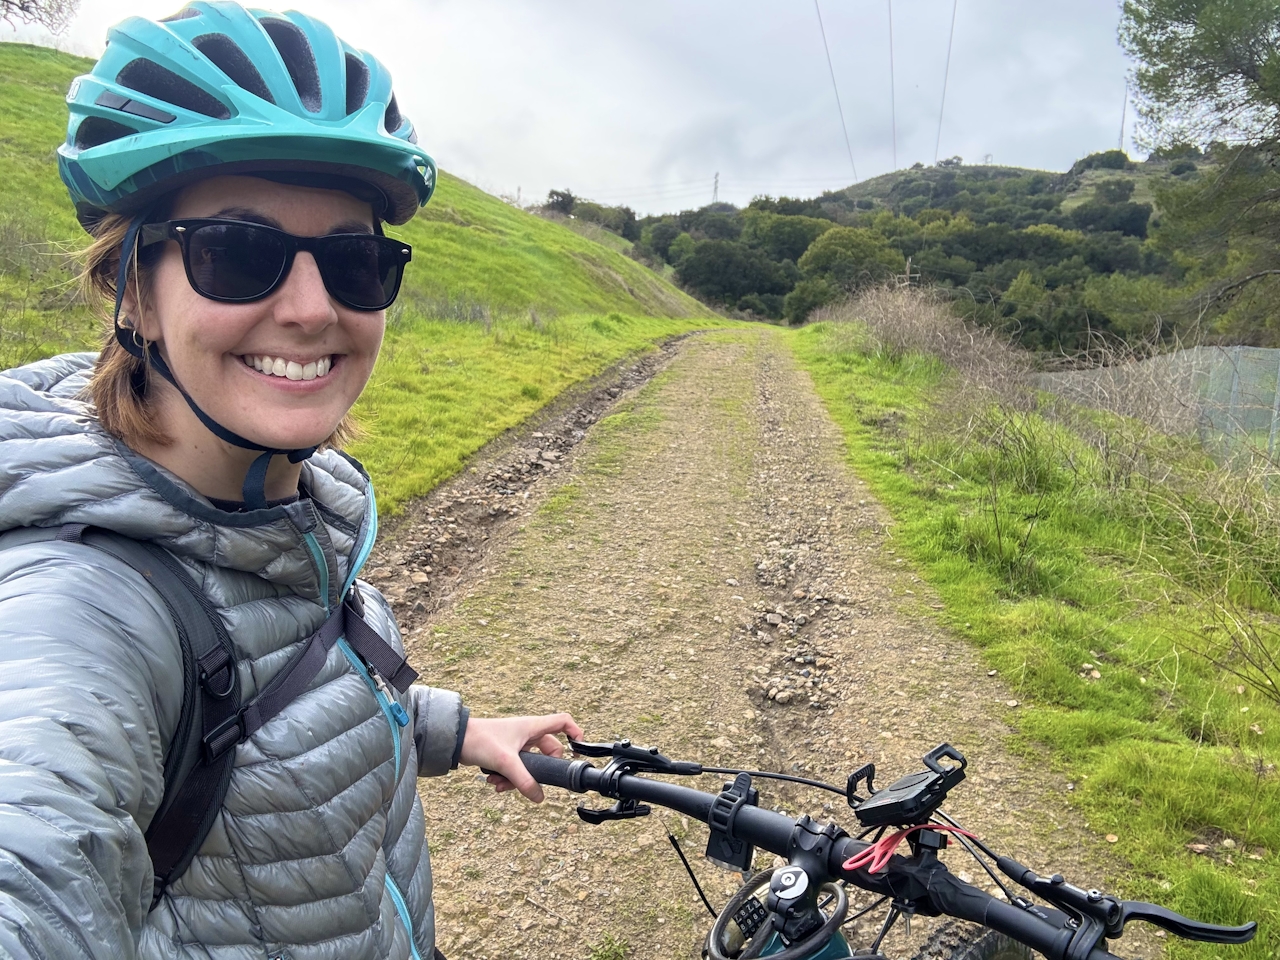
[247,215]
[252,216]
[351,226]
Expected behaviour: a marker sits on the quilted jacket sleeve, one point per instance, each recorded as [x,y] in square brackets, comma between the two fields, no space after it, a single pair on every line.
[90,678]
[438,721]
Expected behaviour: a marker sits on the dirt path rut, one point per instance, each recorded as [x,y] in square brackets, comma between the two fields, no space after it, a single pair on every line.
[703,574]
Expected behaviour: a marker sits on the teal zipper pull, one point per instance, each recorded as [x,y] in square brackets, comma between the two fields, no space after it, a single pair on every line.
[401,715]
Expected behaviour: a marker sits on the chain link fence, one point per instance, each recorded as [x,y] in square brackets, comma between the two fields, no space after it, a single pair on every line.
[1228,396]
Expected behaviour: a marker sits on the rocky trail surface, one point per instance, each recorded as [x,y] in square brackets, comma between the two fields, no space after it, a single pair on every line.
[679,555]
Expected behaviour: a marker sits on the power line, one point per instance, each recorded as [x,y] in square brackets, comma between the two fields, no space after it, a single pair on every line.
[946,72]
[839,106]
[893,96]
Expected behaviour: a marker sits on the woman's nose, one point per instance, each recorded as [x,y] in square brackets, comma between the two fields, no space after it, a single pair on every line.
[302,299]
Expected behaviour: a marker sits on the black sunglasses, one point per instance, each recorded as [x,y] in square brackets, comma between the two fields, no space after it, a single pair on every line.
[237,262]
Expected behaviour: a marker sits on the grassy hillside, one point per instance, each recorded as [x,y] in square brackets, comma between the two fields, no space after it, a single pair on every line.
[501,310]
[1076,188]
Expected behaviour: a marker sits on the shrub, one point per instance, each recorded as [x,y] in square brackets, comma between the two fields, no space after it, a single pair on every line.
[807,296]
[851,257]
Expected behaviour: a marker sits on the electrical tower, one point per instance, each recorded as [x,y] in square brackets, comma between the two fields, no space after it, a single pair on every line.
[715,189]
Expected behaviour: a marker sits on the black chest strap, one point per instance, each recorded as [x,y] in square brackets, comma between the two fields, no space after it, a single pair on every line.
[296,675]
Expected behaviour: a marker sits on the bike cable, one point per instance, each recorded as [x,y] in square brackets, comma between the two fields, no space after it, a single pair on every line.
[778,776]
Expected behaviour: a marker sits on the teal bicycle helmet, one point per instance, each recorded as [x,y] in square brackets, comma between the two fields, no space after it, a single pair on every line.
[219,89]
[243,91]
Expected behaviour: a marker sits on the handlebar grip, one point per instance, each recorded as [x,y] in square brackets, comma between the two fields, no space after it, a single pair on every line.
[552,771]
[956,898]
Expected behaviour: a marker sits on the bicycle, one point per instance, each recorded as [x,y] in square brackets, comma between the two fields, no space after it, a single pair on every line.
[806,902]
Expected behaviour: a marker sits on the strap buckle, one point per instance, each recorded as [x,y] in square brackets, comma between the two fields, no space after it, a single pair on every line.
[224,736]
[213,663]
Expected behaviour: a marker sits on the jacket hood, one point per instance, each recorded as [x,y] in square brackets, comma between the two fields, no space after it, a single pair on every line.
[58,466]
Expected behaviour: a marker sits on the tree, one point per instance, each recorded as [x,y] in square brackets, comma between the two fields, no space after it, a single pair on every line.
[851,257]
[681,247]
[781,237]
[53,15]
[1208,73]
[561,201]
[1207,69]
[807,296]
[725,271]
[1114,190]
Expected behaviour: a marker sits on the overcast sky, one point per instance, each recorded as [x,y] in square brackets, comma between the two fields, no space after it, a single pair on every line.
[644,102]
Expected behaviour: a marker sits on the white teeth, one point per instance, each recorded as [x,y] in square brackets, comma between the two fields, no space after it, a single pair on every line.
[289,369]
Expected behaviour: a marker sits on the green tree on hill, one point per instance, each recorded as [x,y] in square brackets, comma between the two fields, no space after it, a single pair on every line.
[1208,72]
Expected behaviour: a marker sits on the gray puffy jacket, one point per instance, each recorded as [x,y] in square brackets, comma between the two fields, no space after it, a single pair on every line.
[319,850]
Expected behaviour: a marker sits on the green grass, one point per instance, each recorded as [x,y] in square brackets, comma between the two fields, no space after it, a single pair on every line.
[442,390]
[500,311]
[1048,559]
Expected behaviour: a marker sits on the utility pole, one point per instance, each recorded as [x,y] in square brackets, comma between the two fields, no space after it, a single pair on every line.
[1124,109]
[715,190]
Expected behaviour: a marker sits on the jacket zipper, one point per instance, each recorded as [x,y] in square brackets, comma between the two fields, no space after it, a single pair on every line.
[396,715]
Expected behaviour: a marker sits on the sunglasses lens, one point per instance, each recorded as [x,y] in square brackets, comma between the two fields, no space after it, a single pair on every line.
[234,261]
[363,272]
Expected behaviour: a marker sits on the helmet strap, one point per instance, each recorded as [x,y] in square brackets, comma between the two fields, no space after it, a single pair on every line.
[254,490]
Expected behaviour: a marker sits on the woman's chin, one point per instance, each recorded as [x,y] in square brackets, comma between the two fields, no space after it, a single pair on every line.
[291,439]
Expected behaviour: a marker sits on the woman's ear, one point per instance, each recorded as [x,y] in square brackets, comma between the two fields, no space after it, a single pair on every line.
[132,306]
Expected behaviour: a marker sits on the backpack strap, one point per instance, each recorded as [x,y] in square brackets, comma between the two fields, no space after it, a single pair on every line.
[195,785]
[197,768]
[382,660]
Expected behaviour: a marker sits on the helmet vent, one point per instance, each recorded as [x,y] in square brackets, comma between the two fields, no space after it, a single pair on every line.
[357,83]
[186,13]
[392,119]
[95,131]
[227,56]
[159,83]
[296,53]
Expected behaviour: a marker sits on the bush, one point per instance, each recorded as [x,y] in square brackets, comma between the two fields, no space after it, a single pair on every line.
[782,237]
[1106,160]
[807,296]
[680,248]
[724,271]
[851,257]
[1115,190]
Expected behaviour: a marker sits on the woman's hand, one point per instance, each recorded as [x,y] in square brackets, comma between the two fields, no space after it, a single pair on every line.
[495,744]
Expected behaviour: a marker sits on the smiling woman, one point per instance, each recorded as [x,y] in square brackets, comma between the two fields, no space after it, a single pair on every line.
[246,276]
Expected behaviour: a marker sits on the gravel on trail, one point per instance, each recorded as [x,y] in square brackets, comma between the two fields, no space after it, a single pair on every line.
[678,554]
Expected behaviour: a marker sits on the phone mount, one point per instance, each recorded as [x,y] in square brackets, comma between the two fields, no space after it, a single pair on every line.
[914,798]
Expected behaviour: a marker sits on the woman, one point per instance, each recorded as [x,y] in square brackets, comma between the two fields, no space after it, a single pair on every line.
[234,169]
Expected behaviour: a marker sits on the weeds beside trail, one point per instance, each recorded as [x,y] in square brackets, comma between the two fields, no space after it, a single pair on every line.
[1125,587]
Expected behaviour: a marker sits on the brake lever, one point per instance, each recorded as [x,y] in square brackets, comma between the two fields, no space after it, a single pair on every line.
[629,758]
[1096,910]
[1181,926]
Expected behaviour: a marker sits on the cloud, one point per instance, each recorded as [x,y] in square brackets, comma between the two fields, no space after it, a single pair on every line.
[645,103]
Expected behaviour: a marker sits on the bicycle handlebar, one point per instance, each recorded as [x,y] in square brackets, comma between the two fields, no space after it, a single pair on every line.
[935,889]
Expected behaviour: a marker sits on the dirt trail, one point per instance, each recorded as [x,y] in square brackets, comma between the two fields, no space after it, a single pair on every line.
[704,574]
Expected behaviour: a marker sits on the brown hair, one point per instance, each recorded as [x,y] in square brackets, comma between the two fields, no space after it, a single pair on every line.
[120,385]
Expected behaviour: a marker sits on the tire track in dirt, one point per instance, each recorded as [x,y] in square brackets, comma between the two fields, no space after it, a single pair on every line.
[708,577]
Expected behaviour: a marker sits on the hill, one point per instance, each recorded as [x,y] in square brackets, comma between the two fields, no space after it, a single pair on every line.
[475,256]
[1052,258]
[500,312]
